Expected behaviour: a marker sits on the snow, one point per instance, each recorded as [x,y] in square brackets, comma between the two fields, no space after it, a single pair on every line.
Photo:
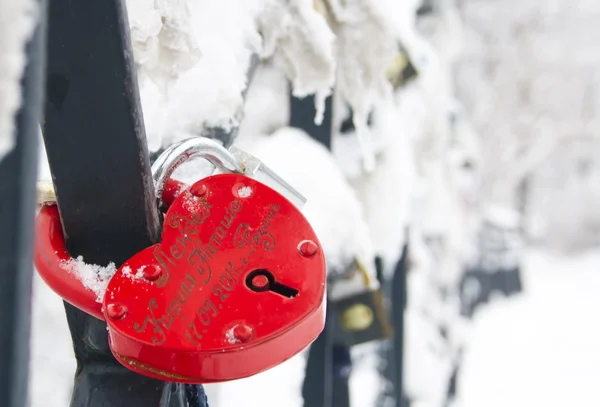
[17,19]
[204,87]
[128,272]
[267,102]
[365,48]
[163,39]
[365,380]
[230,336]
[298,35]
[52,359]
[428,361]
[92,276]
[385,193]
[280,386]
[193,58]
[244,192]
[540,348]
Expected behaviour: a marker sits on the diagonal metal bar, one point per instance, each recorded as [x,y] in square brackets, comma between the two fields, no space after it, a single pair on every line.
[18,171]
[96,146]
[94,132]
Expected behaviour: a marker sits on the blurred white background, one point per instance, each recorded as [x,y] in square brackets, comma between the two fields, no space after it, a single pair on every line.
[527,77]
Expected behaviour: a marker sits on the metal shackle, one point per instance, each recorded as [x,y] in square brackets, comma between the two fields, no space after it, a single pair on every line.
[179,153]
[229,161]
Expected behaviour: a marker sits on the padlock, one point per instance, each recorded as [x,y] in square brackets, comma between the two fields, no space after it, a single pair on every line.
[401,71]
[56,267]
[362,316]
[54,264]
[236,286]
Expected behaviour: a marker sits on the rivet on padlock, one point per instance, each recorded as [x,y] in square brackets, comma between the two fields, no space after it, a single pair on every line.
[242,284]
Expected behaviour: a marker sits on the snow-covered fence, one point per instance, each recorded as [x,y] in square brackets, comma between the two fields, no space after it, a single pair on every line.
[405,164]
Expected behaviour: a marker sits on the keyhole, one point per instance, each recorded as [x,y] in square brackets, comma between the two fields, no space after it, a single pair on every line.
[263,280]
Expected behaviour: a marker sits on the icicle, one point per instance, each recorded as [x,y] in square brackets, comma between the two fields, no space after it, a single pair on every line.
[386,193]
[363,133]
[320,98]
[365,48]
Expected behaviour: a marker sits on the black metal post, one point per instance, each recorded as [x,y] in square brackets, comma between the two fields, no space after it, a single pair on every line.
[392,351]
[318,382]
[399,302]
[302,116]
[96,146]
[18,172]
[326,381]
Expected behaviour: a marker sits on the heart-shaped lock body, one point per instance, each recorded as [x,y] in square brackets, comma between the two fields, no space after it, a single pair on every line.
[59,271]
[236,286]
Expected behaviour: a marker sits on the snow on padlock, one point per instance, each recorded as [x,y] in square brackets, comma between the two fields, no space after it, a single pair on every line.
[235,287]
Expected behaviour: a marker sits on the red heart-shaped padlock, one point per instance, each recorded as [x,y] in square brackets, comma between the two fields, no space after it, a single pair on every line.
[236,286]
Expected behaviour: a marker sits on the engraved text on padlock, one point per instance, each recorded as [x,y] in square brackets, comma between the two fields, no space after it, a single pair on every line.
[236,286]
